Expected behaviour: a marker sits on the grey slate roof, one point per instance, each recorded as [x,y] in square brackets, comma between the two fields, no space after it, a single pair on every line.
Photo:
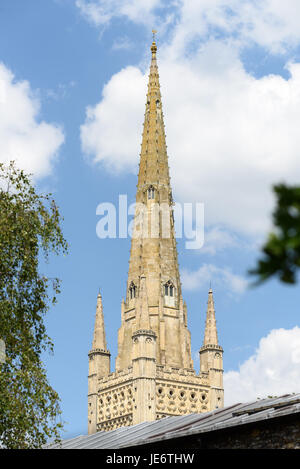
[179,426]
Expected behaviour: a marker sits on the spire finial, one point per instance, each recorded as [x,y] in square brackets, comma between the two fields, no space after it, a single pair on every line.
[153,46]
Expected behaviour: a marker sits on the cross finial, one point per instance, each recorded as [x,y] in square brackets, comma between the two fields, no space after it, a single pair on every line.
[154,32]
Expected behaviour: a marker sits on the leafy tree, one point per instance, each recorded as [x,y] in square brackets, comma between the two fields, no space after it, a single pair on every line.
[281,252]
[29,228]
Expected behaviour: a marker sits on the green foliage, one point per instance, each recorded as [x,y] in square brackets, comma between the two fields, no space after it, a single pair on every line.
[282,249]
[29,228]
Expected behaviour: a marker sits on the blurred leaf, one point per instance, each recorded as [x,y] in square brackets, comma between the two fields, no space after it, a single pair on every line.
[281,252]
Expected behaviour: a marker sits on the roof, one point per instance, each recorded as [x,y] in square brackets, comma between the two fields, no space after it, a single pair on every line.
[179,426]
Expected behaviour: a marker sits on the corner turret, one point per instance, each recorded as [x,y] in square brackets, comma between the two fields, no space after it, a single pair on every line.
[211,356]
[99,365]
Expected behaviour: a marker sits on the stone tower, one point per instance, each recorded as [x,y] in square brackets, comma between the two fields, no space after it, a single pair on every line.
[154,375]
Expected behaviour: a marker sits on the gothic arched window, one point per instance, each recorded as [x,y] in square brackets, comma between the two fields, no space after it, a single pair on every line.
[151,192]
[169,289]
[132,291]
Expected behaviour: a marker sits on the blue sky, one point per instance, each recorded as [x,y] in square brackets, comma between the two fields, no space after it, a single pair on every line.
[72,93]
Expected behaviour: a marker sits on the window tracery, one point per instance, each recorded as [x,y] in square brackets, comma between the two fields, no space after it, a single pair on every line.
[132,291]
[151,192]
[169,289]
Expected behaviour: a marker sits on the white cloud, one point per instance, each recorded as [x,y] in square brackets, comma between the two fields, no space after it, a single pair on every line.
[221,277]
[33,144]
[217,239]
[100,12]
[108,134]
[229,133]
[122,43]
[61,91]
[273,24]
[273,370]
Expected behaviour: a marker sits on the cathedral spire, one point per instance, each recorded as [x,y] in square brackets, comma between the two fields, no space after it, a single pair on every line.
[153,274]
[211,335]
[153,248]
[99,339]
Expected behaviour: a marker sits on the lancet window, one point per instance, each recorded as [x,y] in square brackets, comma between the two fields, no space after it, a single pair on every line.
[132,291]
[151,192]
[169,289]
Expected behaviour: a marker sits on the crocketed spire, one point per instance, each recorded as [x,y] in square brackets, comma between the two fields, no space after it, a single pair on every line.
[99,339]
[153,247]
[211,335]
